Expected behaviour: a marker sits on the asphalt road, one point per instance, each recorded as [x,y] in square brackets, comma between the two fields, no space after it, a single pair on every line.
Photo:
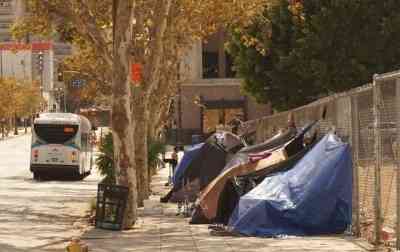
[38,216]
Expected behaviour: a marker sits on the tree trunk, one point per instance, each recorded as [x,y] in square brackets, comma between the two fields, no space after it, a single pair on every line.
[158,118]
[123,124]
[124,149]
[15,119]
[141,151]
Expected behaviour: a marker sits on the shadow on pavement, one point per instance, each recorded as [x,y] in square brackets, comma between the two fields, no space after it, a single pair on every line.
[9,248]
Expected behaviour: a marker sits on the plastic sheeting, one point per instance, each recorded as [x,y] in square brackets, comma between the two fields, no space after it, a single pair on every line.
[243,156]
[280,139]
[185,162]
[315,197]
[227,140]
[277,140]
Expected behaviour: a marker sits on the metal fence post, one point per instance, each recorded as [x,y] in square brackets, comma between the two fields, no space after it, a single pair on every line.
[355,144]
[378,159]
[398,164]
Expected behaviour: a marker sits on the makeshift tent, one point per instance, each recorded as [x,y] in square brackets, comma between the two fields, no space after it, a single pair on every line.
[227,140]
[201,165]
[315,197]
[239,186]
[187,158]
[207,205]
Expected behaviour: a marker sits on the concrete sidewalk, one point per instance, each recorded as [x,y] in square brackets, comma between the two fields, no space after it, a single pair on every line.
[168,232]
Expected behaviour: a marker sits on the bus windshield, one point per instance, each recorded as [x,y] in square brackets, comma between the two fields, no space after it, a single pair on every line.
[56,134]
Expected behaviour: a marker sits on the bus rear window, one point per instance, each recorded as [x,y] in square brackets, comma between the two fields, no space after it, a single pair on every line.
[55,134]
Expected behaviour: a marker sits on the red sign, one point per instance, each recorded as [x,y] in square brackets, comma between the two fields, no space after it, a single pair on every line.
[136,73]
[36,46]
[15,46]
[42,46]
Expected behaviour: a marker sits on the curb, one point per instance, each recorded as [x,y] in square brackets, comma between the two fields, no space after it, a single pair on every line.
[12,137]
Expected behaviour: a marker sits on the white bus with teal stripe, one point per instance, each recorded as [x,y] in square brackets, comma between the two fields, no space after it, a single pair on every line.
[61,146]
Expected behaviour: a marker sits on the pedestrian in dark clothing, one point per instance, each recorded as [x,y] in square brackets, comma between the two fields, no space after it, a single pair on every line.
[173,161]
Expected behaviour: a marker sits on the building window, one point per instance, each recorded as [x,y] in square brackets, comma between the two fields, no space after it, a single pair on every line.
[217,63]
[230,71]
[5,25]
[5,3]
[221,113]
[213,118]
[210,65]
[211,57]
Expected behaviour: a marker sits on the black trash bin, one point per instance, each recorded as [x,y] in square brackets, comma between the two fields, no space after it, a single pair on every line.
[111,204]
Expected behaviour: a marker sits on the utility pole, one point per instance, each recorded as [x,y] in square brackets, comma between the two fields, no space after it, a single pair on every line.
[1,63]
[378,159]
[65,98]
[41,66]
[396,155]
[179,133]
[355,142]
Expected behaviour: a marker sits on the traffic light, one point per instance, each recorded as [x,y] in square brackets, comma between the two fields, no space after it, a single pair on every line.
[40,61]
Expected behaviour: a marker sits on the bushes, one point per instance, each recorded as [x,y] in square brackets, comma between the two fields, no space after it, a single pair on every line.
[105,161]
[155,148]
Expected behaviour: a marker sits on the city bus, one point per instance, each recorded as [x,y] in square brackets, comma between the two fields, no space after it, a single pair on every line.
[61,146]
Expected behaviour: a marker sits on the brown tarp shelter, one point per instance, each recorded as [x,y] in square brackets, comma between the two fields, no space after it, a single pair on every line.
[207,204]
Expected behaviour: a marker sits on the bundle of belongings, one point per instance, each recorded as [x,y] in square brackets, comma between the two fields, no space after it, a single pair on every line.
[295,183]
[218,199]
[312,198]
[201,164]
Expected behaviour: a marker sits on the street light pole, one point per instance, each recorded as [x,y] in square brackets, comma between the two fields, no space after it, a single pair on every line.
[179,113]
[83,81]
[1,63]
[65,98]
[41,66]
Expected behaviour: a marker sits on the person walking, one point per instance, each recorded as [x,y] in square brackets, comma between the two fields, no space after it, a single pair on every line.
[173,161]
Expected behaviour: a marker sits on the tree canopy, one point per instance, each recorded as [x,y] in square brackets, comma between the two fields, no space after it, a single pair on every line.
[302,50]
[19,98]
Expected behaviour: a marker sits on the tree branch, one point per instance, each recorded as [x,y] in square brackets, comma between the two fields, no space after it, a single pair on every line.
[79,13]
[152,76]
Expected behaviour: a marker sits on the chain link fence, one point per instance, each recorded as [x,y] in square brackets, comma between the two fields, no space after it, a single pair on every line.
[368,118]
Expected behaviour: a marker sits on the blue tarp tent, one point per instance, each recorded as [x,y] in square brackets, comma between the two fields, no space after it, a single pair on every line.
[185,162]
[314,197]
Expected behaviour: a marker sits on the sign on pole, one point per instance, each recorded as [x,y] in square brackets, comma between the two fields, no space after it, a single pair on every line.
[136,73]
[78,83]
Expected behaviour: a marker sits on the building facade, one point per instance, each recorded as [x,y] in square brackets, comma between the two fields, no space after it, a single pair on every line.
[211,96]
[33,59]
[10,11]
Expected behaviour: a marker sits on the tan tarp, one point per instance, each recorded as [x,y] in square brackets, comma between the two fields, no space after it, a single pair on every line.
[208,199]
